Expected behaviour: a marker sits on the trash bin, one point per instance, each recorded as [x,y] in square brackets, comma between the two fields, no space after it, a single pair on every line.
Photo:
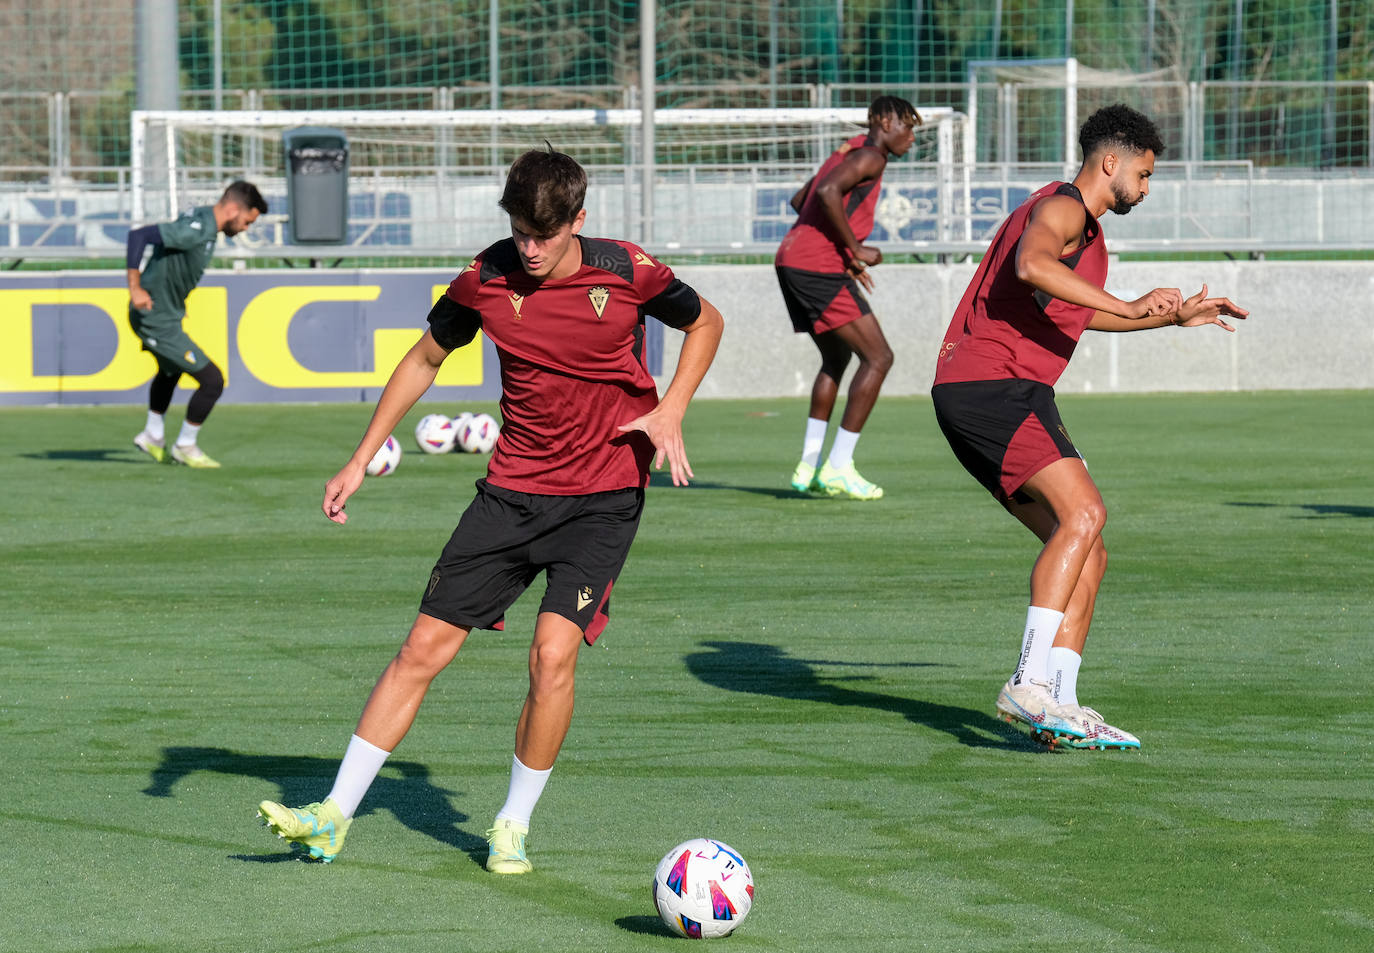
[316,185]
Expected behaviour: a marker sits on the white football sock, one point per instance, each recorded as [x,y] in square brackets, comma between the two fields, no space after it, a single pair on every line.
[156,427]
[1063,665]
[187,437]
[357,771]
[842,450]
[526,784]
[1041,627]
[815,437]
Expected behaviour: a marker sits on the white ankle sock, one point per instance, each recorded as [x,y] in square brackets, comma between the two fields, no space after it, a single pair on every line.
[815,437]
[156,427]
[526,784]
[187,437]
[1063,665]
[1041,627]
[357,771]
[842,450]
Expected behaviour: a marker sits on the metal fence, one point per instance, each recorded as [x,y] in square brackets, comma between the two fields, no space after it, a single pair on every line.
[1204,197]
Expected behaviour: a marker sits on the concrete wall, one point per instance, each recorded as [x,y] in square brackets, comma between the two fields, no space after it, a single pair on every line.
[1312,326]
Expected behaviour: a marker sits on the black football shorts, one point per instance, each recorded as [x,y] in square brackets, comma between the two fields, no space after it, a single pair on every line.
[506,538]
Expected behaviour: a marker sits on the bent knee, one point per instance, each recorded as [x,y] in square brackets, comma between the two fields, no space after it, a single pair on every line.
[430,648]
[878,361]
[552,667]
[1087,520]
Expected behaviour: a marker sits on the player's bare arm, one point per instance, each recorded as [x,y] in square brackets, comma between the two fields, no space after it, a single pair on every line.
[1194,312]
[1200,309]
[1056,229]
[663,424]
[859,166]
[407,384]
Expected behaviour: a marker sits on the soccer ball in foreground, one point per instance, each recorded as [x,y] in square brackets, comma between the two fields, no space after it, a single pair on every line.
[478,434]
[703,889]
[386,459]
[435,433]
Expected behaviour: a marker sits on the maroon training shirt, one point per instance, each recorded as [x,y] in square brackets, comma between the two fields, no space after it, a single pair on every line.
[1005,328]
[572,361]
[811,244]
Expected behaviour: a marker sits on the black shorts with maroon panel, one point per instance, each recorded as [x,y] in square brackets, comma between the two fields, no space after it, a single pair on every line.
[1002,431]
[504,540]
[820,301]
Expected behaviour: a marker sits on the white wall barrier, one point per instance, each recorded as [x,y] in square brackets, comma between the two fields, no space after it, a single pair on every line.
[324,335]
[1311,326]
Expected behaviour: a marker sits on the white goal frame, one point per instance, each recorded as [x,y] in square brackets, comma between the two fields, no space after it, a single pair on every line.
[954,140]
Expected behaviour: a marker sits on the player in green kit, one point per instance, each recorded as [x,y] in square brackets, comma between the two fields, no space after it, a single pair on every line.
[157,305]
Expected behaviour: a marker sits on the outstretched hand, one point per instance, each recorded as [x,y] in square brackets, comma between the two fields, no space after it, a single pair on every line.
[1200,309]
[1159,301]
[664,430]
[339,488]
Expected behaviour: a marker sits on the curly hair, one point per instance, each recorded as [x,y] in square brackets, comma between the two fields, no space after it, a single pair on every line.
[1122,127]
[893,106]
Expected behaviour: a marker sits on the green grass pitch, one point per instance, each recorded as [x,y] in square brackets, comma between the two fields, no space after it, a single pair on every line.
[811,681]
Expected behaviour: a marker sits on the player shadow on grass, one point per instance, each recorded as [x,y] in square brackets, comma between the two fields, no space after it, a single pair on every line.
[657,479]
[412,798]
[763,669]
[1318,510]
[90,456]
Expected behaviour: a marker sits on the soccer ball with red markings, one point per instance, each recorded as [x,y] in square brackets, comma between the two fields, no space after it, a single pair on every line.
[478,433]
[435,433]
[703,889]
[460,419]
[386,459]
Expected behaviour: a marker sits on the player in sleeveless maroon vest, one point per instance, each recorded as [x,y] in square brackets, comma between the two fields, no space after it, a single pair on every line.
[820,265]
[582,422]
[1038,288]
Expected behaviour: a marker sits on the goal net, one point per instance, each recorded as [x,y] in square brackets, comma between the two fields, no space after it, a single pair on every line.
[422,182]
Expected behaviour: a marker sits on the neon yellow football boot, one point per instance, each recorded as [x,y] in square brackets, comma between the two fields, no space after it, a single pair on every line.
[804,479]
[846,482]
[193,457]
[153,448]
[318,829]
[506,848]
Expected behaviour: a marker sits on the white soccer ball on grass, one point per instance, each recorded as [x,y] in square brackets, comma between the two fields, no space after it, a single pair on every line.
[703,889]
[386,459]
[478,433]
[435,433]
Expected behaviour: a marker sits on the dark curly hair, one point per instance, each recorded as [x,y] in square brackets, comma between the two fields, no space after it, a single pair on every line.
[1122,127]
[894,106]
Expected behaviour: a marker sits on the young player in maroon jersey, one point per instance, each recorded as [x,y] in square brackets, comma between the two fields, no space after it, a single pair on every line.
[564,489]
[1039,287]
[820,265]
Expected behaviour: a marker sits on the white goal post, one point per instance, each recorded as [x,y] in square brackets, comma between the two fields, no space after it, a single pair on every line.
[179,157]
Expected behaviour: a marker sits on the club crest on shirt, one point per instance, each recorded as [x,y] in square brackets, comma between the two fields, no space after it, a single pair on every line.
[599,296]
[515,302]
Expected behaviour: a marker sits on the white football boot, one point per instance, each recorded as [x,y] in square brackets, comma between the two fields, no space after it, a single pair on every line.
[1032,704]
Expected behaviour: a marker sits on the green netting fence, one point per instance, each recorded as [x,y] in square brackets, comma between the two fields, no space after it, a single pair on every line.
[1276,82]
